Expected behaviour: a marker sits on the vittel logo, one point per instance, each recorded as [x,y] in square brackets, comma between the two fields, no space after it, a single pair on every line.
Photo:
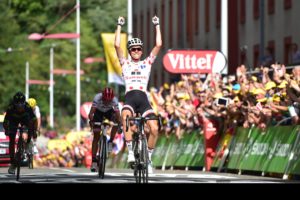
[191,61]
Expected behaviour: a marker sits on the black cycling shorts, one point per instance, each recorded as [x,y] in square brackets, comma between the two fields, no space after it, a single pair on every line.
[110,115]
[137,102]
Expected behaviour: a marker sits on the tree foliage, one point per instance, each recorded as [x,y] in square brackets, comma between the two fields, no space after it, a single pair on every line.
[20,18]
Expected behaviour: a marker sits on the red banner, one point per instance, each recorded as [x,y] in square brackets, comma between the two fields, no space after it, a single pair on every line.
[85,109]
[194,62]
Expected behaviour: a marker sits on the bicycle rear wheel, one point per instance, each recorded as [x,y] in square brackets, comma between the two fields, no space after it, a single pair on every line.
[102,156]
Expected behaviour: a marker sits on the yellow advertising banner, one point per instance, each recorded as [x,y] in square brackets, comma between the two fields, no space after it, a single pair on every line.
[113,65]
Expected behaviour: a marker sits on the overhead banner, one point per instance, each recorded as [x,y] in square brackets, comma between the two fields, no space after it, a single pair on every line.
[194,62]
[113,65]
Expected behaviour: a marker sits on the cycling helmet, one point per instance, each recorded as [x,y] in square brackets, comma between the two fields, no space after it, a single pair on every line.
[19,98]
[108,94]
[134,42]
[32,102]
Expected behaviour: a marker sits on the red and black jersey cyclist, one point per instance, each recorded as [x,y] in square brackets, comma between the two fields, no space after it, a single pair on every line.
[136,73]
[105,105]
[18,113]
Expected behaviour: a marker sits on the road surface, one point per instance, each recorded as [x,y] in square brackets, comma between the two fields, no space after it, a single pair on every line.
[83,175]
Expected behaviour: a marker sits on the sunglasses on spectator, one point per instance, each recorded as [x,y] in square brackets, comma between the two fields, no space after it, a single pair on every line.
[135,49]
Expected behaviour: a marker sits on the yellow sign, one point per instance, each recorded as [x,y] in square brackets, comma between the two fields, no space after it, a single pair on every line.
[113,65]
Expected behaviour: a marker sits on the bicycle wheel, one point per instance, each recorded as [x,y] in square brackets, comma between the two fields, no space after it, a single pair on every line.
[136,165]
[30,161]
[144,159]
[102,156]
[19,156]
[30,155]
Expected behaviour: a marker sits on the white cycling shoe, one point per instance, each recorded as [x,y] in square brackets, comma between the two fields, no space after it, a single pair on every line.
[130,158]
[150,168]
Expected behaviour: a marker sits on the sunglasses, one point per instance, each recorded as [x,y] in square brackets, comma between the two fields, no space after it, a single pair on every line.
[135,49]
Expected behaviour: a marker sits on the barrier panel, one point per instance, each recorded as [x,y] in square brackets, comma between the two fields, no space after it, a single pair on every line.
[238,145]
[197,157]
[294,158]
[172,151]
[222,150]
[160,151]
[281,141]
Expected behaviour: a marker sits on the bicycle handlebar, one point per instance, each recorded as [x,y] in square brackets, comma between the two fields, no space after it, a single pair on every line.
[143,120]
[103,123]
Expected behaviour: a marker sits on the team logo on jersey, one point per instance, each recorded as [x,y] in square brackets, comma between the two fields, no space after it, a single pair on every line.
[143,66]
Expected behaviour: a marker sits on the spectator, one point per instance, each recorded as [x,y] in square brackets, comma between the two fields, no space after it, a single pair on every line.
[268,58]
[295,54]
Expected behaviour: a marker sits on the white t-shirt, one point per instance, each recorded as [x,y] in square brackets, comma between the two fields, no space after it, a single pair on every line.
[136,74]
[37,112]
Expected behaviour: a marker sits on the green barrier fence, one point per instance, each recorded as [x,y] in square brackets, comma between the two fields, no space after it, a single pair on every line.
[276,150]
[265,151]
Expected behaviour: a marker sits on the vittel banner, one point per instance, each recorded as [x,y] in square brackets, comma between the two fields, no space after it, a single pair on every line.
[194,61]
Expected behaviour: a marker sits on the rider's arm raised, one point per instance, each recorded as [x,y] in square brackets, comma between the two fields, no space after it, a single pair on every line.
[158,40]
[121,22]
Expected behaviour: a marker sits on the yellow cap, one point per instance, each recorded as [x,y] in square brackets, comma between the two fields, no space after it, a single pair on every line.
[166,86]
[283,94]
[32,102]
[180,83]
[282,84]
[236,99]
[186,97]
[270,85]
[259,91]
[254,78]
[218,95]
[276,98]
[263,100]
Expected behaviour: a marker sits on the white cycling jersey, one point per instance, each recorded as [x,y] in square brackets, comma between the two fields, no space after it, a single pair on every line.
[37,112]
[101,106]
[136,74]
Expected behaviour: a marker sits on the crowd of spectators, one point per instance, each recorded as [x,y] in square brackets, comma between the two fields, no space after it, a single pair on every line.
[72,155]
[267,97]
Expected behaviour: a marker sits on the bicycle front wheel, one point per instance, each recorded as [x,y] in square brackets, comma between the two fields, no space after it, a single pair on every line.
[102,156]
[18,156]
[144,159]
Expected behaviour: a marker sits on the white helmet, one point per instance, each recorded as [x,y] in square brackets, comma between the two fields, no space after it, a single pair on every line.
[134,42]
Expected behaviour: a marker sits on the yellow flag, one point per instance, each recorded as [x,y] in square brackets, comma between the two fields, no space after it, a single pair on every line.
[113,65]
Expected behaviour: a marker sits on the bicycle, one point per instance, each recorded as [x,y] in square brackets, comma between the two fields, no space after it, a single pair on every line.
[21,152]
[102,150]
[140,147]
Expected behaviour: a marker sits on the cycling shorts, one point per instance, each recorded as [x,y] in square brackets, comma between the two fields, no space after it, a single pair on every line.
[137,102]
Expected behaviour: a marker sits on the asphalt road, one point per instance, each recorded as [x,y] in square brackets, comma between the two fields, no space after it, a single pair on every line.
[83,175]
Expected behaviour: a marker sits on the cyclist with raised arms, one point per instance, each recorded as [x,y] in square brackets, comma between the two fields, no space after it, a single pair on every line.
[136,73]
[105,105]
